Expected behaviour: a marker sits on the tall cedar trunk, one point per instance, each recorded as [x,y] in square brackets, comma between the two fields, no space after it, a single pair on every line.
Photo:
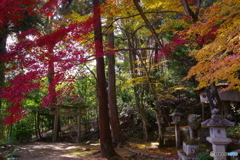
[132,58]
[114,118]
[107,150]
[3,40]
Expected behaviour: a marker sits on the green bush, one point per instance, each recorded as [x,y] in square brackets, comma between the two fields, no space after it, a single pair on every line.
[202,148]
[203,156]
[22,132]
[234,131]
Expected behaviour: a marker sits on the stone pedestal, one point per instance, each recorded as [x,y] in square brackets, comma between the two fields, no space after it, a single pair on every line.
[218,133]
[218,144]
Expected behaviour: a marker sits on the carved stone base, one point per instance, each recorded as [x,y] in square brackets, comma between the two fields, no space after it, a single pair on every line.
[190,149]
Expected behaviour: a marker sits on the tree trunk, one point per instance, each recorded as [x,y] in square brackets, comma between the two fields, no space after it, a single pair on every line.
[161,128]
[3,41]
[114,117]
[35,124]
[107,150]
[50,76]
[213,97]
[143,116]
[38,126]
[189,11]
[52,93]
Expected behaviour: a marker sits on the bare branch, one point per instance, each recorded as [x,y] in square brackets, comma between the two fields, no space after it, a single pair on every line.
[131,33]
[160,12]
[147,23]
[91,71]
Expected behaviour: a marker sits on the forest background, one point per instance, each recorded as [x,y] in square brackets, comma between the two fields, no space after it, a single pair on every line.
[153,53]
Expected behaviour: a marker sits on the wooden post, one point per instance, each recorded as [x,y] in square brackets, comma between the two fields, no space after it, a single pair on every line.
[55,127]
[79,125]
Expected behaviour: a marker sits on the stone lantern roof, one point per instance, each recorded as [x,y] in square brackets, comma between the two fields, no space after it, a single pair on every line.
[216,120]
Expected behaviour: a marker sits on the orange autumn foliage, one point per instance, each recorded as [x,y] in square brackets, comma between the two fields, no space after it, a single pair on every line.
[219,59]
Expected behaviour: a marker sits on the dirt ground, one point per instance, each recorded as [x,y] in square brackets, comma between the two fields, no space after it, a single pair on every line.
[53,151]
[72,151]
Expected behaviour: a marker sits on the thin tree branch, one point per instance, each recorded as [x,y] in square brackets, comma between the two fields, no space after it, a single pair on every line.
[162,12]
[131,33]
[184,60]
[147,23]
[91,72]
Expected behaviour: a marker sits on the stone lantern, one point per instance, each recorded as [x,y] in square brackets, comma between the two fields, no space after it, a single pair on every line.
[218,136]
[176,118]
[161,118]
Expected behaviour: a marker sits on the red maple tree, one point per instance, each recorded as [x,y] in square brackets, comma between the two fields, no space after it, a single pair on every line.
[30,60]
